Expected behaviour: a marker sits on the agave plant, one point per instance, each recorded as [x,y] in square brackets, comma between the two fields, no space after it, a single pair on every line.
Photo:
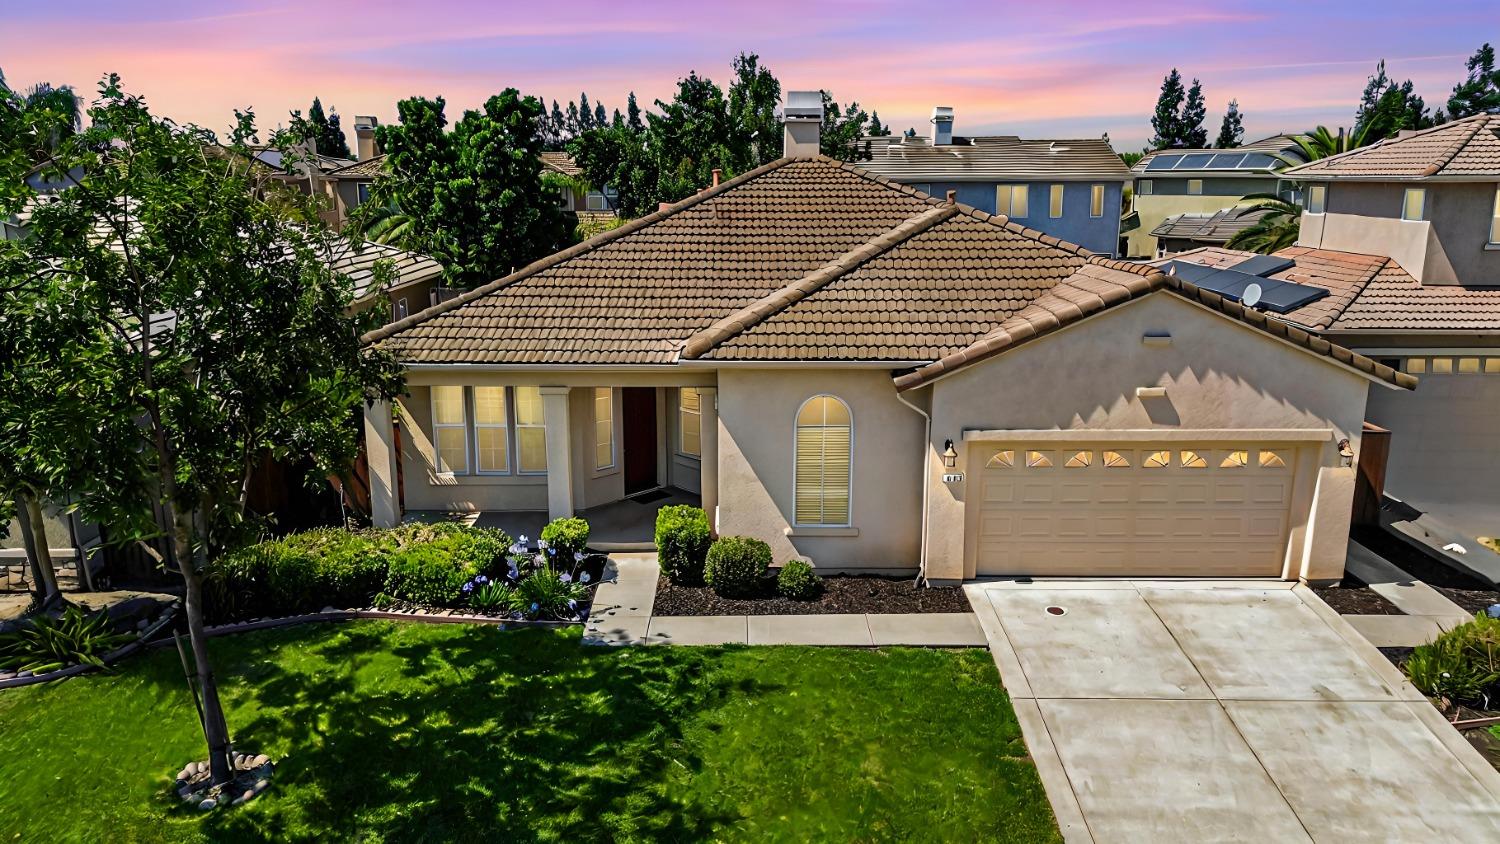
[46,644]
[1278,227]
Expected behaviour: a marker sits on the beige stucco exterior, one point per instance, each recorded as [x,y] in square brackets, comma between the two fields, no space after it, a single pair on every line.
[1153,209]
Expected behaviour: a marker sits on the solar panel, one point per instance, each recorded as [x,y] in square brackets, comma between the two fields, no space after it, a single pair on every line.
[1195,161]
[1188,271]
[1257,161]
[1283,297]
[1278,296]
[1226,161]
[1264,265]
[1163,162]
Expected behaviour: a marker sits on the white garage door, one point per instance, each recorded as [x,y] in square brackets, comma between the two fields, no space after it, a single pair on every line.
[1130,510]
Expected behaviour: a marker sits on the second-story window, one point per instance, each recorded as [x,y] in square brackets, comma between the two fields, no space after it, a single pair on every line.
[1195,187]
[1495,219]
[1414,204]
[1317,199]
[1096,201]
[1143,187]
[1010,200]
[1055,202]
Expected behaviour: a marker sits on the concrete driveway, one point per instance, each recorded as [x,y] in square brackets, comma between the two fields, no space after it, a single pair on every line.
[1226,711]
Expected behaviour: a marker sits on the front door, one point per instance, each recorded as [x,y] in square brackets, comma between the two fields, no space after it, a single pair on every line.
[638,415]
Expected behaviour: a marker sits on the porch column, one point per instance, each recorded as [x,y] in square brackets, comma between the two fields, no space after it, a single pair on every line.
[380,452]
[708,446]
[559,452]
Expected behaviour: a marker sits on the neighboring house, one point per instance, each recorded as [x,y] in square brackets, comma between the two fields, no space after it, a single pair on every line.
[873,379]
[1070,189]
[1190,231]
[1169,182]
[1405,234]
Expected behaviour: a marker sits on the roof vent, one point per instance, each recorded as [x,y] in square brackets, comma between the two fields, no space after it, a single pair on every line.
[942,125]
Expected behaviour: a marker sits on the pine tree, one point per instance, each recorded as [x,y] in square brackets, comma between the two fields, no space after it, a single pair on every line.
[877,129]
[617,121]
[601,119]
[633,115]
[1480,92]
[585,113]
[1386,108]
[1194,112]
[322,129]
[572,126]
[1232,130]
[1167,120]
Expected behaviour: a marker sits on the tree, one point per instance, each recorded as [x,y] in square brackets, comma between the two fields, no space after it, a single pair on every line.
[600,118]
[1480,92]
[1194,112]
[842,131]
[633,115]
[1167,119]
[1386,108]
[753,98]
[1277,229]
[1232,130]
[473,195]
[690,138]
[56,107]
[877,129]
[323,130]
[223,335]
[1323,143]
[585,113]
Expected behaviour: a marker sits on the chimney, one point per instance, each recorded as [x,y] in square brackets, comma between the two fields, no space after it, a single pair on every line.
[942,125]
[802,119]
[364,137]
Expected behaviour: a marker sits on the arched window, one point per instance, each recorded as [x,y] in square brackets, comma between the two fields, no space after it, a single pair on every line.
[824,450]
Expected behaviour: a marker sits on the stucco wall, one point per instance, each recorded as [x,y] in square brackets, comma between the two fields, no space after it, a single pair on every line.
[1155,208]
[757,429]
[1445,441]
[427,490]
[1098,234]
[1449,248]
[1218,373]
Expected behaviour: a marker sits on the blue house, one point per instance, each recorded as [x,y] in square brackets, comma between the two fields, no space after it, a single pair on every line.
[1069,189]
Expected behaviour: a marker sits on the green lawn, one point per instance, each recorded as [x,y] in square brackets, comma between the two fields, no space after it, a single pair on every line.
[386,731]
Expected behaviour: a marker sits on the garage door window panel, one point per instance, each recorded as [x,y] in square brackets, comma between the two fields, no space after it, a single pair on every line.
[1038,460]
[1080,460]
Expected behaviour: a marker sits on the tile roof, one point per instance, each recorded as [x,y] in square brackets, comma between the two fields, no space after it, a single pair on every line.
[1217,227]
[1273,144]
[995,159]
[358,263]
[1105,282]
[1370,293]
[1464,149]
[801,259]
[562,163]
[367,169]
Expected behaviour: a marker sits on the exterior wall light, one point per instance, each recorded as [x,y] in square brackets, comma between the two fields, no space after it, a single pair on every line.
[1346,453]
[950,457]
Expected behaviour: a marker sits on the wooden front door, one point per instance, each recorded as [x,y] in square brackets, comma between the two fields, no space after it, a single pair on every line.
[638,416]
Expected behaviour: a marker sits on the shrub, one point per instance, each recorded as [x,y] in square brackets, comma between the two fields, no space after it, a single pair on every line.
[546,594]
[299,573]
[798,581]
[682,538]
[735,565]
[434,571]
[566,541]
[493,596]
[1460,666]
[46,644]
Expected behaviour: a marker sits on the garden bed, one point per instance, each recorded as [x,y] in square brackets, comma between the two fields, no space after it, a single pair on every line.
[842,594]
[1354,597]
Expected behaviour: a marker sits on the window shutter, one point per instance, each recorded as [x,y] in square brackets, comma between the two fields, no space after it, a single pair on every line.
[822,475]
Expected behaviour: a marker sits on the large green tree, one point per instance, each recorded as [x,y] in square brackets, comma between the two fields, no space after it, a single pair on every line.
[1387,107]
[1166,121]
[753,98]
[1480,91]
[473,195]
[1232,130]
[209,308]
[1194,112]
[842,131]
[1278,227]
[324,129]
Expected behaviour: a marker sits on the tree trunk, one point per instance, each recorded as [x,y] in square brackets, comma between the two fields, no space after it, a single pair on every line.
[34,523]
[215,729]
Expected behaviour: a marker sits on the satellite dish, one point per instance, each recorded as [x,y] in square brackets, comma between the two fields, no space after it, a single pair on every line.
[1251,297]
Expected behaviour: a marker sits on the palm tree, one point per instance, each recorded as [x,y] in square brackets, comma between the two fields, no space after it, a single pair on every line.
[1277,229]
[1322,143]
[55,111]
[386,224]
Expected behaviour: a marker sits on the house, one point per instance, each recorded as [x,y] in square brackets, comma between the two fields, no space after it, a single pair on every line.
[1405,236]
[1169,182]
[1182,232]
[1070,189]
[876,380]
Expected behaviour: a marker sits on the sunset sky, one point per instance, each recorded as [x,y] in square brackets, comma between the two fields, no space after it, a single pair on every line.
[1060,69]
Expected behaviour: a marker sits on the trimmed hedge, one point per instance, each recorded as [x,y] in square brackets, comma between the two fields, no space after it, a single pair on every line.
[798,581]
[736,564]
[682,539]
[565,538]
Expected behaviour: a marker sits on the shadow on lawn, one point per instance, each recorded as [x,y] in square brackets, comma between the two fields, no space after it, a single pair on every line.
[477,733]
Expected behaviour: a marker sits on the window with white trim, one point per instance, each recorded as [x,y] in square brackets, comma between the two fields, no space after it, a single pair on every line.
[1414,204]
[1011,200]
[604,428]
[1055,202]
[531,431]
[824,461]
[450,431]
[1317,198]
[1096,200]
[601,200]
[1495,220]
[491,431]
[1143,187]
[689,422]
[402,309]
[1195,187]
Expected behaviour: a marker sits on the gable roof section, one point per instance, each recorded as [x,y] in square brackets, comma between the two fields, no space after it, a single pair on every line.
[561,162]
[996,159]
[635,294]
[1273,144]
[1104,283]
[367,169]
[1217,227]
[1461,150]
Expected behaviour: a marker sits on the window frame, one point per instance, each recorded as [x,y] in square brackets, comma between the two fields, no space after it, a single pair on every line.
[1190,187]
[1055,197]
[1317,195]
[1406,197]
[514,399]
[607,199]
[682,412]
[401,309]
[1096,200]
[504,426]
[462,425]
[1013,190]
[1495,220]
[1144,187]
[607,393]
[797,427]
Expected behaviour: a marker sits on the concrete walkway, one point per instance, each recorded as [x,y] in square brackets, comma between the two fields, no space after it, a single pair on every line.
[1225,711]
[1428,611]
[622,616]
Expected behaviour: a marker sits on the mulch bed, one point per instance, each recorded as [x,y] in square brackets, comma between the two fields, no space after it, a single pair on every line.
[1472,600]
[1468,592]
[1354,597]
[841,594]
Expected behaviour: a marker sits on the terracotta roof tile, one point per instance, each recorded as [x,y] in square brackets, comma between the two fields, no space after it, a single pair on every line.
[367,169]
[562,163]
[995,158]
[1467,148]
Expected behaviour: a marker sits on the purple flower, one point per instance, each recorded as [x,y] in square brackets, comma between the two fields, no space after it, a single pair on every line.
[577,556]
[534,606]
[481,579]
[541,543]
[468,587]
[584,578]
[565,577]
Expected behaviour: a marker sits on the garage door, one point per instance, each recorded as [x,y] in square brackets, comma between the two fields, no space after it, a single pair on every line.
[1136,510]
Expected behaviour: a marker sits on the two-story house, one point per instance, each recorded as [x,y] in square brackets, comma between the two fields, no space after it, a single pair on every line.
[1405,237]
[1070,189]
[1171,182]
